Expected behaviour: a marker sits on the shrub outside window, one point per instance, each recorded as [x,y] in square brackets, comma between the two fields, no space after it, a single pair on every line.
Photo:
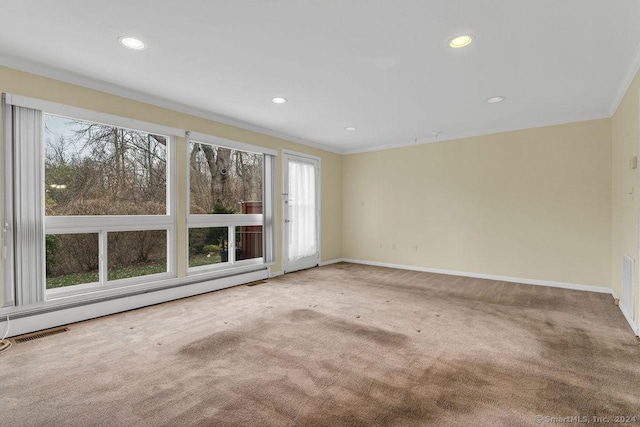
[106,181]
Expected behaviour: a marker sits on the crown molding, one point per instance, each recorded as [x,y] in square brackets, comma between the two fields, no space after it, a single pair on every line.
[490,131]
[113,89]
[632,70]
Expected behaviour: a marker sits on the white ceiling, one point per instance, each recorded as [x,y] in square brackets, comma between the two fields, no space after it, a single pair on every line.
[383,66]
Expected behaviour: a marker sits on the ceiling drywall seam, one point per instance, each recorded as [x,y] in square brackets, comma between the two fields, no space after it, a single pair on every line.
[450,137]
[632,70]
[112,89]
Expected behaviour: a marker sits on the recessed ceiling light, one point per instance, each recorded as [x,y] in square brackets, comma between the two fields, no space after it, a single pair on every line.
[495,99]
[132,43]
[461,41]
[350,128]
[279,100]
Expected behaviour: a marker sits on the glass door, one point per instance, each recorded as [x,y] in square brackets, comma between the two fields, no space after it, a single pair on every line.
[301,212]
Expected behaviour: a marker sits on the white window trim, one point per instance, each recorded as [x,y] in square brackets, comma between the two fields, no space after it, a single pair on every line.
[89,288]
[92,224]
[121,223]
[104,282]
[8,299]
[75,224]
[101,292]
[268,210]
[92,116]
[70,305]
[226,266]
[103,224]
[233,220]
[223,220]
[227,143]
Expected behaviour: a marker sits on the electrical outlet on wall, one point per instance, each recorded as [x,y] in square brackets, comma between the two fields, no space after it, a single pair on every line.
[393,246]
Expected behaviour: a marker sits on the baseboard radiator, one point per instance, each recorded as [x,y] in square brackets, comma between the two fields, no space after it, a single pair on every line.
[626,301]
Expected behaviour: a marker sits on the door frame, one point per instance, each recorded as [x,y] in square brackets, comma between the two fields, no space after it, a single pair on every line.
[636,274]
[286,153]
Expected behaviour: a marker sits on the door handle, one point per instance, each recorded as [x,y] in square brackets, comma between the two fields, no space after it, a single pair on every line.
[287,221]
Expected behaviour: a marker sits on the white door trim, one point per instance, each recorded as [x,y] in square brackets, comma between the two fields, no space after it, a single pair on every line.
[636,278]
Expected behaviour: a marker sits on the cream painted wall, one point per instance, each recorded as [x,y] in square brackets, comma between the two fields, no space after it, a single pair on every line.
[21,83]
[532,204]
[625,207]
[539,204]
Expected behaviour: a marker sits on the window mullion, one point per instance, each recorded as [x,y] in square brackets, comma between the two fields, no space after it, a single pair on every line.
[172,206]
[171,251]
[213,220]
[7,205]
[79,224]
[232,244]
[268,226]
[104,257]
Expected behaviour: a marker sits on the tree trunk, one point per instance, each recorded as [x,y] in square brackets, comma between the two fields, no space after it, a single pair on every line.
[116,154]
[219,161]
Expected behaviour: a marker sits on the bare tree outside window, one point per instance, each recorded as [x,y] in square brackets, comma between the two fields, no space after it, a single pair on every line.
[97,169]
[224,181]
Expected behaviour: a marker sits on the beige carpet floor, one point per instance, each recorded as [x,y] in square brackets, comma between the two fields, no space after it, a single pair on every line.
[342,345]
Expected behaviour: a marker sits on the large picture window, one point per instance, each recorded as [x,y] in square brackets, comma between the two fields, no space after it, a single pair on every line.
[94,169]
[90,205]
[99,171]
[91,201]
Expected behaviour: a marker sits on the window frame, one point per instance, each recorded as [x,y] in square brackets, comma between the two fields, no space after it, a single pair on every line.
[103,224]
[233,220]
[8,276]
[177,227]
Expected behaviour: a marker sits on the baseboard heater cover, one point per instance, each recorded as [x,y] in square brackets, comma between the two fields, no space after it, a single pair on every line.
[51,317]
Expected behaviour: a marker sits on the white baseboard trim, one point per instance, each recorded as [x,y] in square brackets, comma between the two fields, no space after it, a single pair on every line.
[627,316]
[331,261]
[614,295]
[65,316]
[563,285]
[322,264]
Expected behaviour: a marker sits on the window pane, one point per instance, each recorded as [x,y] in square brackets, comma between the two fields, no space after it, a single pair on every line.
[208,246]
[71,259]
[248,242]
[223,180]
[136,253]
[95,169]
